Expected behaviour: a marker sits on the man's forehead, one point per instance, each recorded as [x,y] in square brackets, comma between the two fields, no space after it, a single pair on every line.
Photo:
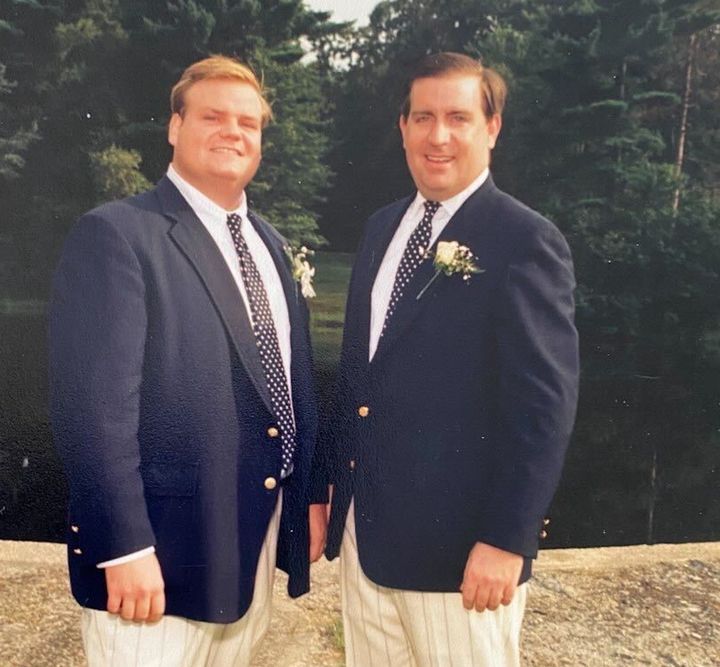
[464,89]
[227,88]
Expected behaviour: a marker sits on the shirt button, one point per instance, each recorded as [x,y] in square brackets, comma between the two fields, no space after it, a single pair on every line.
[270,483]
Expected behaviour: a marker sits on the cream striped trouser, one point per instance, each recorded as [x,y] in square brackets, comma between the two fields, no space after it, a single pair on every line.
[179,642]
[388,627]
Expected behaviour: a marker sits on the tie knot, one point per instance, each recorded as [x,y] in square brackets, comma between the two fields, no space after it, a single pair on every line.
[431,207]
[234,219]
[234,222]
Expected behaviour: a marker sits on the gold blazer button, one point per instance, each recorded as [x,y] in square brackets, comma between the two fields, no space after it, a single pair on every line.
[270,483]
[363,410]
[273,432]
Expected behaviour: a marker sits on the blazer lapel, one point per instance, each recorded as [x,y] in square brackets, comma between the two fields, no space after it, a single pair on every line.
[414,298]
[369,267]
[201,251]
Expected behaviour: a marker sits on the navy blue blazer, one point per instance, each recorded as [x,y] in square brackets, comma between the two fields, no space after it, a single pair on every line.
[160,409]
[469,400]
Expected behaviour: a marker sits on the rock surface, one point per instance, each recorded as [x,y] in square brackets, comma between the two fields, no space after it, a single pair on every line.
[657,606]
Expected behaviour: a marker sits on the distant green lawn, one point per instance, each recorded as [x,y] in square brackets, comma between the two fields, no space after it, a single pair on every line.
[327,309]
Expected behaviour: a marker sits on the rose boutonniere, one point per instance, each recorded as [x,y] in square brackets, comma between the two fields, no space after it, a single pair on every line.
[450,258]
[302,272]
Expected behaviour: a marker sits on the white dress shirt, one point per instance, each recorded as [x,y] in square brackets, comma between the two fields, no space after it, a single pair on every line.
[382,288]
[214,219]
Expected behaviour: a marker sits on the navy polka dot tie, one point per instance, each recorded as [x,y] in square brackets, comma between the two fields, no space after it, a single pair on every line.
[267,342]
[415,253]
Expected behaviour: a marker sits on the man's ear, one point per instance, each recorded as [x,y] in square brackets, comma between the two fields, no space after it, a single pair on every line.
[402,124]
[494,125]
[174,128]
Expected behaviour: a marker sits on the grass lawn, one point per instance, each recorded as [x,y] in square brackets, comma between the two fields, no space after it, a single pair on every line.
[327,309]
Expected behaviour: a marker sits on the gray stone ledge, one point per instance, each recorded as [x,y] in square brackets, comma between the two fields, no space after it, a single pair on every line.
[639,605]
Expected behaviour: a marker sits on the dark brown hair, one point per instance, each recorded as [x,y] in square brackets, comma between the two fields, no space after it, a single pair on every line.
[492,86]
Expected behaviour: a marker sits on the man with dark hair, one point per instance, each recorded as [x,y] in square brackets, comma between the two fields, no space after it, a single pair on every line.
[457,393]
[181,398]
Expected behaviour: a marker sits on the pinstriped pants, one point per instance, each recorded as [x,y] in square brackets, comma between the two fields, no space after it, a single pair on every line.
[388,627]
[179,642]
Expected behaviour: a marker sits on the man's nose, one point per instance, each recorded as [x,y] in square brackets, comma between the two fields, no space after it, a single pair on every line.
[439,133]
[230,128]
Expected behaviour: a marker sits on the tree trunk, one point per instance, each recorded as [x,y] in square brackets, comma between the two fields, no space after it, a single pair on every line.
[621,94]
[679,158]
[650,538]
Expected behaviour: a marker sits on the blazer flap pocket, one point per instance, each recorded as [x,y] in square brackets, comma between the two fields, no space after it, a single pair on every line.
[171,479]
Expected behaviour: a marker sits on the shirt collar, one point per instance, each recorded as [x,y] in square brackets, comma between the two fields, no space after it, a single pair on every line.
[452,205]
[204,207]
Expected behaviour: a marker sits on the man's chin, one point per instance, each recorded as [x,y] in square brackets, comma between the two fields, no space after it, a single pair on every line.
[232,177]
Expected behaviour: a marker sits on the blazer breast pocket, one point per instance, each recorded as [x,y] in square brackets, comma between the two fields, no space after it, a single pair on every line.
[170,479]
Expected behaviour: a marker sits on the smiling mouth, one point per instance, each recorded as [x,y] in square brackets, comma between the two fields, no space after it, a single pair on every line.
[438,159]
[226,149]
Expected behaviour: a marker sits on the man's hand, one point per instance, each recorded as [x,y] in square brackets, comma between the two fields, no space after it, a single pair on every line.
[318,530]
[136,589]
[491,577]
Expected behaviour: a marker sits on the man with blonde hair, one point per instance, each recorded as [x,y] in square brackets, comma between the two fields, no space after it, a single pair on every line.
[458,385]
[181,398]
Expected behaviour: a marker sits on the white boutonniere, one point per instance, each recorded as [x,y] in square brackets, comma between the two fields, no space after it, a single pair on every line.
[450,258]
[302,272]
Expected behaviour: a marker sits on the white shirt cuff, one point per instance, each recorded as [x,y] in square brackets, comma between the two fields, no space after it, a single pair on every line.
[127,558]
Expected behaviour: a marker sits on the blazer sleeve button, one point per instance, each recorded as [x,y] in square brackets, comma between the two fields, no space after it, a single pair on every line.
[75,529]
[77,552]
[543,534]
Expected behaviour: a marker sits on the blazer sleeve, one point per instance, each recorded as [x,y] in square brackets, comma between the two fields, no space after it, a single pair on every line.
[97,330]
[538,386]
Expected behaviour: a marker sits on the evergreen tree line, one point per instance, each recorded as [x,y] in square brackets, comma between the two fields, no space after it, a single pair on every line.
[612,130]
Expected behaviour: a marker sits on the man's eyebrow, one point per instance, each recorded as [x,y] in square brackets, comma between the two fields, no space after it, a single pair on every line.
[440,112]
[224,112]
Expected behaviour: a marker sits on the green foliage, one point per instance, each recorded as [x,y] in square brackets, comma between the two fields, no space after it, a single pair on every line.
[116,173]
[590,139]
[294,177]
[97,74]
[15,140]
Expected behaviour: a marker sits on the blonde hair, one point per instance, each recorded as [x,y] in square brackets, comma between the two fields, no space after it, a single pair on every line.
[217,67]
